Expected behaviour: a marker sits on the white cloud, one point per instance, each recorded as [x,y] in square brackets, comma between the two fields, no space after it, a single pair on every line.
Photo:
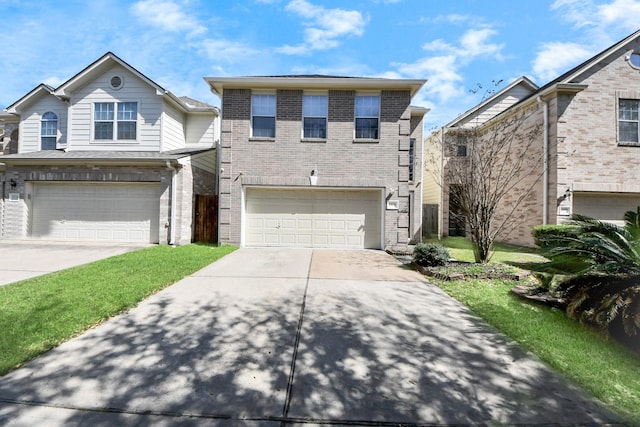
[598,26]
[441,72]
[555,58]
[475,43]
[325,27]
[578,12]
[168,15]
[438,45]
[623,13]
[221,50]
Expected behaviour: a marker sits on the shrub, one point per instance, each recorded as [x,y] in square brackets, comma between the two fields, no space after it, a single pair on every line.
[430,254]
[545,236]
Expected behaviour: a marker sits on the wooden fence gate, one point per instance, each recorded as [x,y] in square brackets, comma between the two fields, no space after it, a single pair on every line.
[206,219]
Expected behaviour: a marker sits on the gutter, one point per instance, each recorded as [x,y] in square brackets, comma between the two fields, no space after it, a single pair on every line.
[172,204]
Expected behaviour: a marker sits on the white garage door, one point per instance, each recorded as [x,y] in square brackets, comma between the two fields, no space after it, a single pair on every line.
[606,207]
[96,212]
[313,218]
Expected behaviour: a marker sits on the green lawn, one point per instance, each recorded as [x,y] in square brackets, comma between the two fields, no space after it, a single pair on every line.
[40,313]
[460,248]
[601,366]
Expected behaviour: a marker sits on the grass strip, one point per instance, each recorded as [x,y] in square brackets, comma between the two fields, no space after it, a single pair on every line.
[599,365]
[40,313]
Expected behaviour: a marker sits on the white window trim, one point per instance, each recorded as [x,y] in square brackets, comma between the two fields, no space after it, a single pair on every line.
[627,57]
[326,116]
[631,96]
[275,116]
[57,135]
[355,116]
[115,139]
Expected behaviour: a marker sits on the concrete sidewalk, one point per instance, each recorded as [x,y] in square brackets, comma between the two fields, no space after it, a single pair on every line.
[267,337]
[24,259]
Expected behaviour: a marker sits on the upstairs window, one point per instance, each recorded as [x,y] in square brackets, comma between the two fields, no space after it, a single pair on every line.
[263,116]
[48,131]
[119,119]
[628,128]
[314,112]
[367,116]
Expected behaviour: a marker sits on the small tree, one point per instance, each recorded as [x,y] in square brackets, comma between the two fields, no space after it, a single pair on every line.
[489,169]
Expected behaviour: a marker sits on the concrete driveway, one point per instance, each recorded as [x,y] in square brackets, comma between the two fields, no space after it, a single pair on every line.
[268,337]
[21,259]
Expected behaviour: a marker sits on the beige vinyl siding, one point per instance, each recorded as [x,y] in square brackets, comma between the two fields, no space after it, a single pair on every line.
[172,128]
[99,90]
[496,107]
[31,118]
[432,171]
[201,129]
[205,161]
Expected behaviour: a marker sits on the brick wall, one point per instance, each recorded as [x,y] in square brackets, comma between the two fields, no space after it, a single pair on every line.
[338,161]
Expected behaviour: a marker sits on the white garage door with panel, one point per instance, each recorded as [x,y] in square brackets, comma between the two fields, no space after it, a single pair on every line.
[96,212]
[606,207]
[313,218]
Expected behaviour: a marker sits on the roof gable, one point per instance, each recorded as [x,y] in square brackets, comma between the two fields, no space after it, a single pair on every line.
[36,93]
[96,69]
[502,100]
[571,75]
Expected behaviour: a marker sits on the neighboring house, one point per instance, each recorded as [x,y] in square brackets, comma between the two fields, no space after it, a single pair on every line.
[591,132]
[319,161]
[109,155]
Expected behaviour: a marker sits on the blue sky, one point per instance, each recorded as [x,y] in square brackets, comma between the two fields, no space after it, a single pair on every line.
[455,45]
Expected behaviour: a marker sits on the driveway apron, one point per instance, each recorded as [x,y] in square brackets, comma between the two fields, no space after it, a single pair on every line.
[294,336]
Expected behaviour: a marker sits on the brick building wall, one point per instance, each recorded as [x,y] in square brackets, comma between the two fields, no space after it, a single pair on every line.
[339,161]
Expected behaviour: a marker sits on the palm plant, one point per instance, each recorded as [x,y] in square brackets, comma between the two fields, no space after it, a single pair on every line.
[597,247]
[602,262]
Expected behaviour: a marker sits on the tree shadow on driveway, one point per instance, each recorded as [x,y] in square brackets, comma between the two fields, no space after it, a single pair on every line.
[220,351]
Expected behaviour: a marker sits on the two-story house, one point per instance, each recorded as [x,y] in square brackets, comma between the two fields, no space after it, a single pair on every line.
[109,155]
[319,161]
[590,121]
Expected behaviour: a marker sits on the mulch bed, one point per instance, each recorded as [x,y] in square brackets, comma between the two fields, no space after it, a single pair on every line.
[459,273]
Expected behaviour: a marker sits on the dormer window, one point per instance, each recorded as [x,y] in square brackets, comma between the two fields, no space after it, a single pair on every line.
[48,131]
[115,120]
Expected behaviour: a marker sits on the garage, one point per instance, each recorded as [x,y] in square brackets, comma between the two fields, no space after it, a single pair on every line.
[317,218]
[605,206]
[108,212]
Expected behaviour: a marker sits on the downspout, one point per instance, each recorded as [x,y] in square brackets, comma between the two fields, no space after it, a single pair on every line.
[172,204]
[441,177]
[545,160]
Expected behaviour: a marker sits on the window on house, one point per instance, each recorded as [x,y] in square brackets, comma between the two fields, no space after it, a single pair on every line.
[412,148]
[457,145]
[367,116]
[49,131]
[628,129]
[119,119]
[263,116]
[127,120]
[314,112]
[634,59]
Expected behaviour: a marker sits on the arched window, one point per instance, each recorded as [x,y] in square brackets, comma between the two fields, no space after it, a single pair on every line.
[49,131]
